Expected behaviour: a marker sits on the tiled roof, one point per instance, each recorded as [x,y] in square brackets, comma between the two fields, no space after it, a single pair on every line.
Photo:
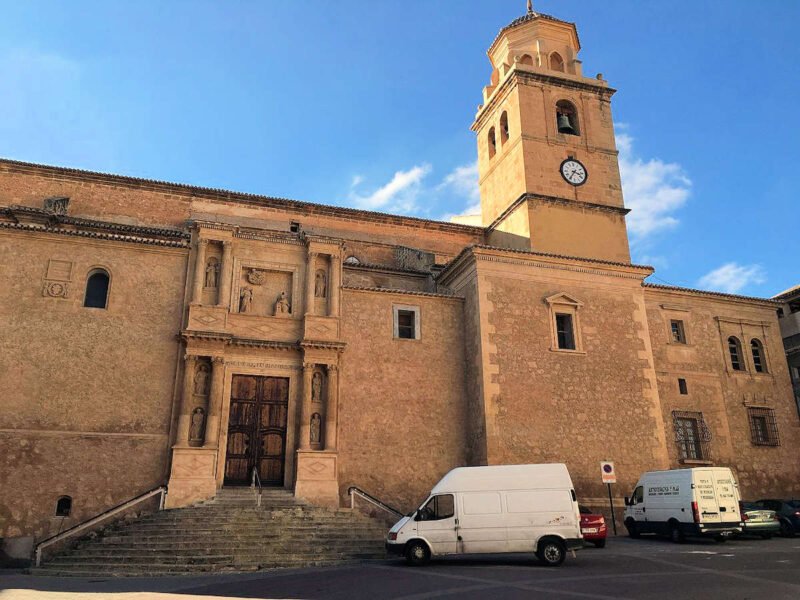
[707,293]
[786,294]
[532,16]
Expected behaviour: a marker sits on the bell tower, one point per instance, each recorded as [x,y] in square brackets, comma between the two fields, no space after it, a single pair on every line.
[547,159]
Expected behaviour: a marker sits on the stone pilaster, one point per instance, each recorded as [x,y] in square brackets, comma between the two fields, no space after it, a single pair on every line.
[226,275]
[199,271]
[215,402]
[311,263]
[332,408]
[335,283]
[185,416]
[305,418]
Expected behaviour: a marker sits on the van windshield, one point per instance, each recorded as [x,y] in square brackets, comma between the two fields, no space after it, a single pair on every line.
[438,507]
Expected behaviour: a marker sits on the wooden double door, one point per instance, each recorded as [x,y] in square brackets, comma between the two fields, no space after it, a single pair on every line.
[257,429]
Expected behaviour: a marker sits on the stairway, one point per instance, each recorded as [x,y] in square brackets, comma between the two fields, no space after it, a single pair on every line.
[228,533]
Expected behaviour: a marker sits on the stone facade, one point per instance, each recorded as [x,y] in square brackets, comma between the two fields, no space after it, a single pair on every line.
[328,347]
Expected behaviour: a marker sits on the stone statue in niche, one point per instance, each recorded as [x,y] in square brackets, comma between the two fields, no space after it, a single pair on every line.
[212,273]
[201,380]
[316,426]
[246,299]
[196,426]
[316,387]
[320,284]
[282,306]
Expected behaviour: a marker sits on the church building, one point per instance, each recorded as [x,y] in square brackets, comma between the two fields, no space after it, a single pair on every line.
[159,333]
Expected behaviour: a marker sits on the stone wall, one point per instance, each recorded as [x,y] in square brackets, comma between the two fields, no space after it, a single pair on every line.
[87,393]
[401,407]
[722,394]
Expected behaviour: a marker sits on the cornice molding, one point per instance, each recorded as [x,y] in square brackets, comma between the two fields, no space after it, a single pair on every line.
[764,302]
[576,204]
[97,235]
[369,290]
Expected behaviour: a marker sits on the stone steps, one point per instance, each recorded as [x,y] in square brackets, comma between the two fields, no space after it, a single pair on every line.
[228,533]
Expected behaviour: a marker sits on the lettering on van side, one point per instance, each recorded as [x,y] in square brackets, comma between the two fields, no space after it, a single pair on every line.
[663,490]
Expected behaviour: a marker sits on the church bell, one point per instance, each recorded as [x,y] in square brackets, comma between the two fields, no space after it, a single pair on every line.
[564,125]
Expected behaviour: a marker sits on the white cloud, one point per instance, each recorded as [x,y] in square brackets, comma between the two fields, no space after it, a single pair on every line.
[357,180]
[732,278]
[463,182]
[399,195]
[653,189]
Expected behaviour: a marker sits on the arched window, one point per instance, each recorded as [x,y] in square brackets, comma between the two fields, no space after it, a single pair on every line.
[567,118]
[526,59]
[96,289]
[735,348]
[63,506]
[758,356]
[556,62]
[504,127]
[492,143]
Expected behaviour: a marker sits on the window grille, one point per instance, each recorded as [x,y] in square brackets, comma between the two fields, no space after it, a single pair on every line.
[678,333]
[763,427]
[691,435]
[735,349]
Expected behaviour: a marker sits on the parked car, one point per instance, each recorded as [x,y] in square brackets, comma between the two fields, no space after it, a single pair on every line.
[758,520]
[788,512]
[702,501]
[593,527]
[495,509]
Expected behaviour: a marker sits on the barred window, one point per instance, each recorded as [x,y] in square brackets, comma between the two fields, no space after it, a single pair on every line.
[692,435]
[758,356]
[763,427]
[735,348]
[678,333]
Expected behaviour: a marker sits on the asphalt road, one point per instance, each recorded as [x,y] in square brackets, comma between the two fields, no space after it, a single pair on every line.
[646,568]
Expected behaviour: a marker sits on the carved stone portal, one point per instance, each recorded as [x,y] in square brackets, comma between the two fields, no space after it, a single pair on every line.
[201,380]
[320,284]
[316,427]
[196,427]
[246,300]
[282,306]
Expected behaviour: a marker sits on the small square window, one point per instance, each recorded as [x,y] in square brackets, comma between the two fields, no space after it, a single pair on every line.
[682,386]
[678,333]
[565,332]
[406,322]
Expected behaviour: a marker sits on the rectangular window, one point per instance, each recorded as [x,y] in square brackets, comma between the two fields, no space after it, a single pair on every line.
[682,386]
[691,435]
[406,322]
[763,427]
[564,331]
[678,333]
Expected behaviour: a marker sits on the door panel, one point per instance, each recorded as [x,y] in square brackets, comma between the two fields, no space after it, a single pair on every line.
[257,429]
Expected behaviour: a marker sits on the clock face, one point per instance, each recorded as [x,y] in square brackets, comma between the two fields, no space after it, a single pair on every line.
[573,171]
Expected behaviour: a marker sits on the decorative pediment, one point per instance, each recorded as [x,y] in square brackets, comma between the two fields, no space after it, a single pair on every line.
[562,299]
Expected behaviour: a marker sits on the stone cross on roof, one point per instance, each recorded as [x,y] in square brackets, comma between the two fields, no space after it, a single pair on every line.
[530,6]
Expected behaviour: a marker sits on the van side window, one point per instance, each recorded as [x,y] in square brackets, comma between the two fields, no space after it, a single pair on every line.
[638,495]
[438,507]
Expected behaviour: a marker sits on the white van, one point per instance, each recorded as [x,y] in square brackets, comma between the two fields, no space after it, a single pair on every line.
[703,501]
[510,508]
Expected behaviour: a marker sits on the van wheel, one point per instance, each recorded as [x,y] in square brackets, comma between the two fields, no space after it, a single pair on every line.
[675,534]
[633,529]
[417,554]
[552,552]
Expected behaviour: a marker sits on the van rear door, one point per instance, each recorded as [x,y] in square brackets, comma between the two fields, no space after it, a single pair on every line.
[727,496]
[706,496]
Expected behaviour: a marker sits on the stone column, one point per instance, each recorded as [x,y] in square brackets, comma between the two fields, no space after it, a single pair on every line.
[336,276]
[199,271]
[311,264]
[305,413]
[332,407]
[215,401]
[185,417]
[226,274]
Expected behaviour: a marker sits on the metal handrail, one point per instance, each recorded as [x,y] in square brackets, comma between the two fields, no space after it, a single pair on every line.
[256,480]
[96,519]
[354,491]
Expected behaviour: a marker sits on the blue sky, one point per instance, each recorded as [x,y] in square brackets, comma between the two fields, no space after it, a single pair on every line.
[368,103]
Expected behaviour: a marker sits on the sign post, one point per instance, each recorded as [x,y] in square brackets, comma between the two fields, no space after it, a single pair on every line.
[609,476]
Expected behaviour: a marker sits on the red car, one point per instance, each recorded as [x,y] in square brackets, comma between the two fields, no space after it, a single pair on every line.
[593,527]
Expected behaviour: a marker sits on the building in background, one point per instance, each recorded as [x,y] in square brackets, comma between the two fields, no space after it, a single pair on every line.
[165,333]
[789,319]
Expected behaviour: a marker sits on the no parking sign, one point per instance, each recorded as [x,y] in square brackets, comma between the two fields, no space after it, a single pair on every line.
[608,472]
